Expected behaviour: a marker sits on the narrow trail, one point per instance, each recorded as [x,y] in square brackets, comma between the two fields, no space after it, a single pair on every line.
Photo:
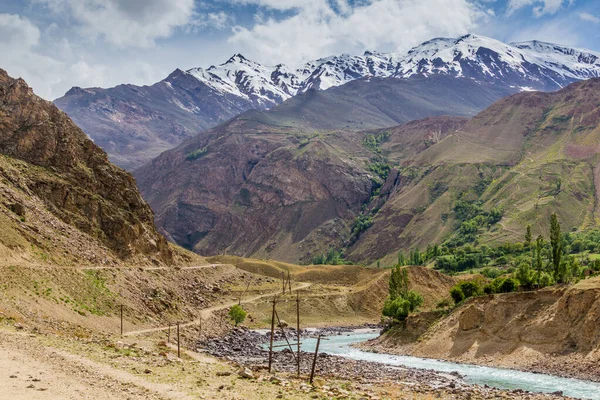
[205,313]
[158,268]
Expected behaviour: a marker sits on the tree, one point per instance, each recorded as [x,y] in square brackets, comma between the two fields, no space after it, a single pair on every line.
[539,244]
[401,302]
[397,309]
[470,289]
[528,237]
[556,244]
[414,299]
[509,285]
[401,259]
[237,314]
[398,286]
[524,275]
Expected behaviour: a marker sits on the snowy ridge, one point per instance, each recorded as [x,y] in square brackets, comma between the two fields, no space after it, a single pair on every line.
[532,65]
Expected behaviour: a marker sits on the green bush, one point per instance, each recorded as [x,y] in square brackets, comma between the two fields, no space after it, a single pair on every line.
[401,307]
[237,314]
[491,273]
[508,285]
[397,309]
[470,289]
[525,275]
[196,154]
[457,294]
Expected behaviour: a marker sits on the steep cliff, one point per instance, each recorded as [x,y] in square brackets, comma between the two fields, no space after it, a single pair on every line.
[52,162]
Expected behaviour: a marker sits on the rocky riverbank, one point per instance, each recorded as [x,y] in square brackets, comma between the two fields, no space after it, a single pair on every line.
[243,347]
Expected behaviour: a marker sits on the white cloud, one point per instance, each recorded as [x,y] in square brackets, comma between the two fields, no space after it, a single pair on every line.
[589,18]
[557,30]
[126,23]
[540,8]
[50,67]
[315,29]
[18,39]
[213,20]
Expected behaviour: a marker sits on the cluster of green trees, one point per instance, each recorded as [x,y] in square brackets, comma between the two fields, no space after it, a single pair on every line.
[467,289]
[540,263]
[471,217]
[415,257]
[373,141]
[401,301]
[332,257]
[564,257]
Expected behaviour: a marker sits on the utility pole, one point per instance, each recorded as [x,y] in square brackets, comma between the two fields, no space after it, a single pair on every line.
[121,319]
[298,329]
[272,334]
[314,364]
[178,342]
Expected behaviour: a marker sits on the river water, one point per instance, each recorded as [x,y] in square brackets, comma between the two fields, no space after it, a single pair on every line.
[496,377]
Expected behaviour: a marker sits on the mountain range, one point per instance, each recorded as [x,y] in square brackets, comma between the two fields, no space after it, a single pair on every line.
[260,185]
[136,123]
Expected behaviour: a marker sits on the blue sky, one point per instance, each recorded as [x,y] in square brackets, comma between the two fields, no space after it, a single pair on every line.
[57,44]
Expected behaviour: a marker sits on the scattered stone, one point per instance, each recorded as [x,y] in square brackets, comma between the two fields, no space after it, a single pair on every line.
[245,373]
[223,373]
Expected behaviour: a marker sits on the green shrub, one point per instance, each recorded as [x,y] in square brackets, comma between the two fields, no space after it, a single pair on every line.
[196,154]
[457,294]
[397,309]
[470,289]
[237,314]
[508,285]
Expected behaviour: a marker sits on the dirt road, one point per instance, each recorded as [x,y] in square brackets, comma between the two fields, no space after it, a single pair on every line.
[205,313]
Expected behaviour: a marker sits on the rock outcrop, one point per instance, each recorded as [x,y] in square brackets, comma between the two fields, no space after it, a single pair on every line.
[73,177]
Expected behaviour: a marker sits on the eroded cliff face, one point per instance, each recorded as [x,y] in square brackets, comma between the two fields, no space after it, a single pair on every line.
[554,328]
[76,181]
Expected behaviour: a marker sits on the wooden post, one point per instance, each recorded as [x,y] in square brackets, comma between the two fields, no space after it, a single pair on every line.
[169,334]
[244,292]
[290,281]
[298,329]
[178,342]
[283,281]
[272,334]
[200,333]
[121,319]
[284,335]
[314,364]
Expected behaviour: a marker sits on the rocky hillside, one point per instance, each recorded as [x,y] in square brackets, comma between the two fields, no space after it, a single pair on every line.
[134,124]
[528,155]
[255,187]
[60,194]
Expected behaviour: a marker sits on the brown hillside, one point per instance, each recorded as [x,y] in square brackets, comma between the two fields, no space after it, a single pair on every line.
[70,176]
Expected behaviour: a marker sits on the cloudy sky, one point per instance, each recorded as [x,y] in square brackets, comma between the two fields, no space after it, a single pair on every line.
[57,44]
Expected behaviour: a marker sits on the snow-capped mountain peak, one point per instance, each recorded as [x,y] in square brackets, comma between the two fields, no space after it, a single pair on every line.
[534,64]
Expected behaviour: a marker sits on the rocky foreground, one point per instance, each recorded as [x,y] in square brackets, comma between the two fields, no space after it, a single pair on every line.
[243,347]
